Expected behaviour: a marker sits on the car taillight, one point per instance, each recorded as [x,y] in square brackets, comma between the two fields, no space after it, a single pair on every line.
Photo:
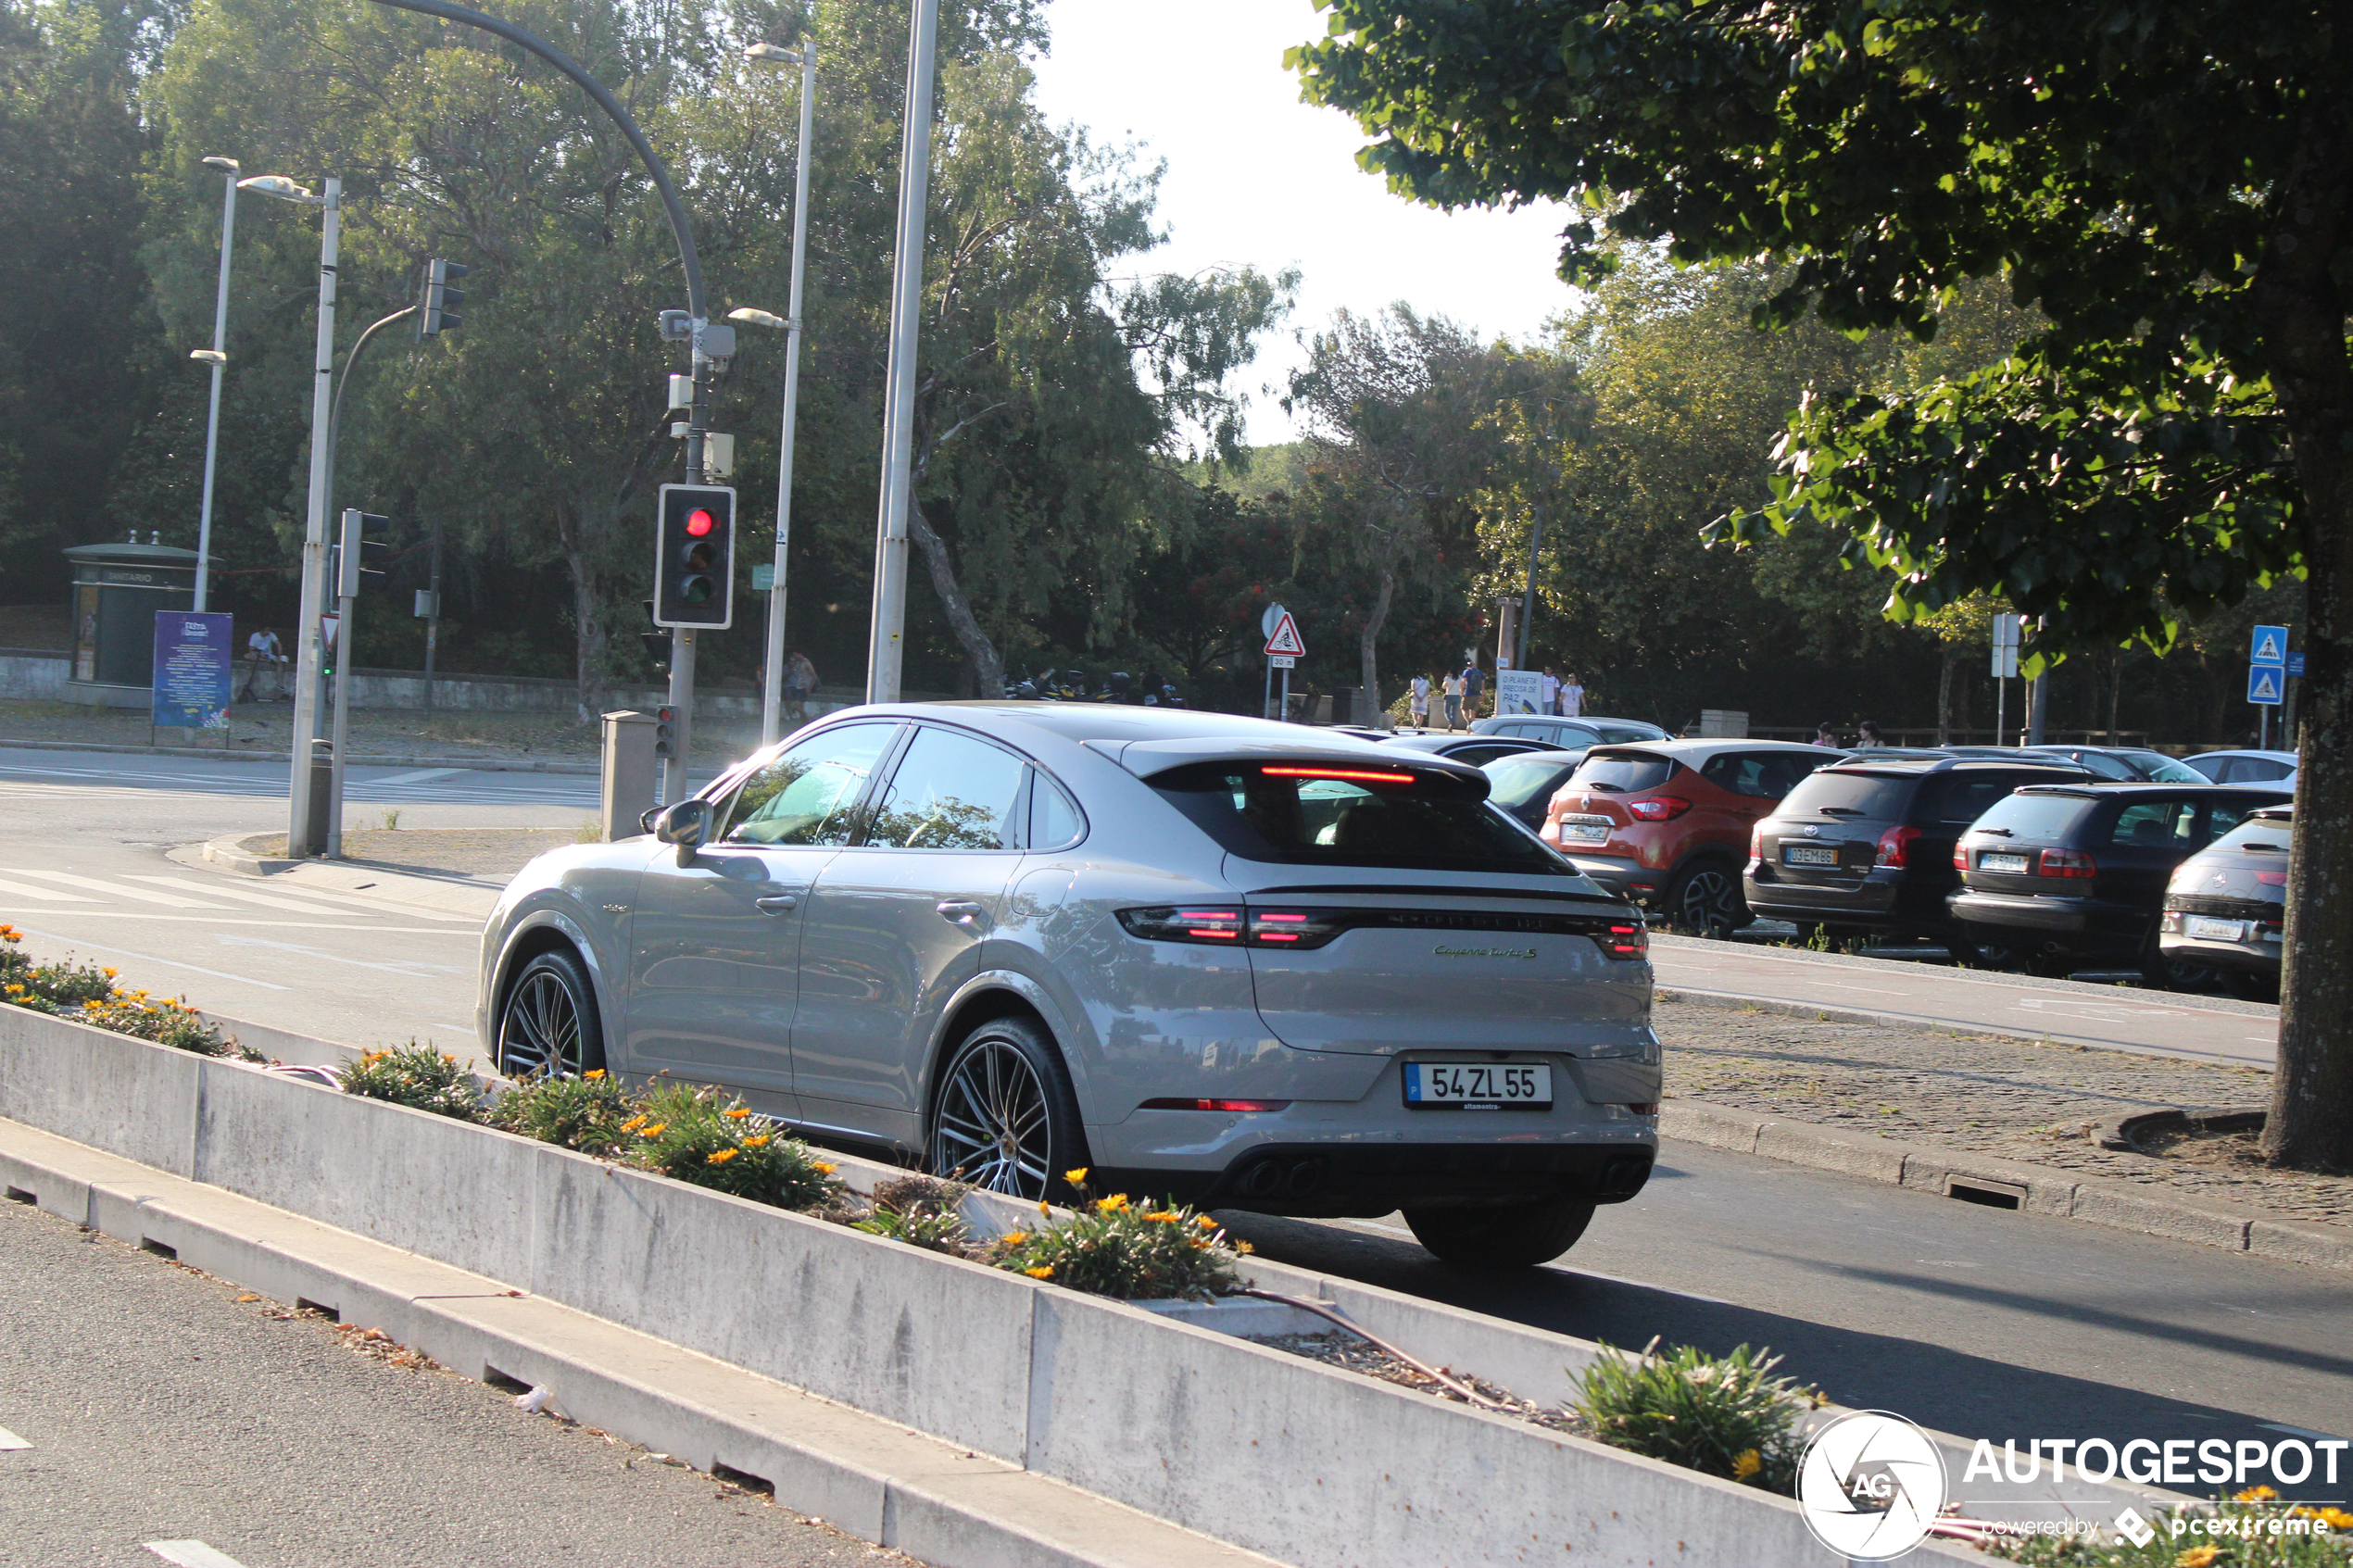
[1624,939]
[2068,862]
[1213,924]
[1960,859]
[2271,879]
[1893,844]
[1239,1105]
[1292,928]
[1757,846]
[1659,808]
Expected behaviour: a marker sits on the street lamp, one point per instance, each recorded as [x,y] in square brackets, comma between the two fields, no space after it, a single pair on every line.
[218,357]
[301,832]
[772,695]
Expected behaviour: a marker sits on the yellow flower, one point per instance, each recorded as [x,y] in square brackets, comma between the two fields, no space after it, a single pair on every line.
[721,1157]
[1204,1222]
[2255,1494]
[2335,1518]
[656,1130]
[1165,1216]
[1079,1177]
[1014,1238]
[739,1113]
[633,1124]
[2198,1557]
[1042,1209]
[1043,1271]
[1244,1248]
[822,1168]
[1747,1462]
[594,1072]
[1115,1203]
[760,1141]
[107,972]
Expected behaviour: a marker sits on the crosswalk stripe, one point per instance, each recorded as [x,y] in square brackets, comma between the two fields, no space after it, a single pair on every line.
[18,890]
[191,1554]
[268,900]
[170,900]
[9,1440]
[418,777]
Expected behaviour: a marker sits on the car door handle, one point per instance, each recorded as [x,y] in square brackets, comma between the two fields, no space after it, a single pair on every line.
[958,911]
[778,903]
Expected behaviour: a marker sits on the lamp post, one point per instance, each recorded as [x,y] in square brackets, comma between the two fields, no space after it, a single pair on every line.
[771,694]
[887,648]
[218,357]
[301,832]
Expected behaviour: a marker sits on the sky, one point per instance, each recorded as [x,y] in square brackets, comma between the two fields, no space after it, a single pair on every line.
[1255,176]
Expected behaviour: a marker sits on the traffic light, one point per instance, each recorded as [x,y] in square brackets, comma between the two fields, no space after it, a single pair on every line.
[695,557]
[434,311]
[359,554]
[665,731]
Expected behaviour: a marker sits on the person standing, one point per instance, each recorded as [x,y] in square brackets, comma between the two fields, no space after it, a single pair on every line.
[1549,695]
[1824,735]
[1572,697]
[1451,690]
[1418,702]
[1474,682]
[1866,734]
[801,685]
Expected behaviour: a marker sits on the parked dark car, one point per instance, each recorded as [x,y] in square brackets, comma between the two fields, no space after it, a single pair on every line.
[1553,730]
[2130,764]
[1867,845]
[1476,749]
[1524,783]
[2227,903]
[2072,875]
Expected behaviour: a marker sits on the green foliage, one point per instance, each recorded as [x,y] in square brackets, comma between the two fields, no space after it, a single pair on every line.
[417,1076]
[1727,1416]
[583,1113]
[1112,1247]
[87,994]
[708,1138]
[920,1211]
[2326,1543]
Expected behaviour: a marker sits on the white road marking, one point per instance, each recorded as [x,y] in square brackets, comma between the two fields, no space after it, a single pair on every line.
[2299,1432]
[148,958]
[412,970]
[191,1554]
[18,890]
[470,930]
[268,900]
[170,900]
[411,778]
[9,1440]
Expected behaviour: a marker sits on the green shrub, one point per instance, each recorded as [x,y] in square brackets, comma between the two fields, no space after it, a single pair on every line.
[1111,1246]
[1728,1417]
[417,1076]
[583,1113]
[87,993]
[165,1021]
[2258,1548]
[920,1211]
[709,1138]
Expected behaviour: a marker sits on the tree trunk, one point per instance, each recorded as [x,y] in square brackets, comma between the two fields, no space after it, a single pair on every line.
[2303,321]
[2115,694]
[1945,693]
[1369,662]
[591,657]
[988,669]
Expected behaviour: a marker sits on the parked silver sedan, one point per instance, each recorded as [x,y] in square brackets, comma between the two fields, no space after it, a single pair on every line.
[1217,959]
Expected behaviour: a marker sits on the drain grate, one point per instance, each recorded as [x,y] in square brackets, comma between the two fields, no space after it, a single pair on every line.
[1985,1192]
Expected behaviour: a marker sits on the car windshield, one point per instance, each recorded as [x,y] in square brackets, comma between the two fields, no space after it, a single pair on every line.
[2257,835]
[2037,818]
[1832,793]
[2162,769]
[1313,814]
[1622,772]
[1523,780]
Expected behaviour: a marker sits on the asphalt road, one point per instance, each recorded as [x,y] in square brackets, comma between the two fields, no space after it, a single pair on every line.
[155,1406]
[2119,1018]
[1975,1321]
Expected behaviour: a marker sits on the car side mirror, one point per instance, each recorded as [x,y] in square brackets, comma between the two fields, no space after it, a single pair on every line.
[687,824]
[647,818]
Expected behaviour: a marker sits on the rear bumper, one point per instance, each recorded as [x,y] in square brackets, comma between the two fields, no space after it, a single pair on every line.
[1342,1180]
[2076,924]
[1884,900]
[2249,955]
[1630,880]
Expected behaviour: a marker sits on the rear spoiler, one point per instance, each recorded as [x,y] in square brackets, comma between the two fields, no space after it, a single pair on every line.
[1147,759]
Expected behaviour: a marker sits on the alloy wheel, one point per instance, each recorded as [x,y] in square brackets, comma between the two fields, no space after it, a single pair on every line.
[993,1129]
[1708,903]
[540,1035]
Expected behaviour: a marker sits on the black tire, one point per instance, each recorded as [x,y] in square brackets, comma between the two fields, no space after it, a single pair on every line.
[1706,899]
[1970,950]
[1510,1235]
[548,1024]
[2161,974]
[2249,986]
[1006,1118]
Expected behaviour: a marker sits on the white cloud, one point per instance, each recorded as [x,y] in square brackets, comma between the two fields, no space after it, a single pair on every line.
[1255,176]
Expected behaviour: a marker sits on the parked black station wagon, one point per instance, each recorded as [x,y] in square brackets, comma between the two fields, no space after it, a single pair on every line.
[1867,845]
[2075,875]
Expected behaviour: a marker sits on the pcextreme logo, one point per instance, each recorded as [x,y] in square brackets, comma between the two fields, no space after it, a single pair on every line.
[1871,1483]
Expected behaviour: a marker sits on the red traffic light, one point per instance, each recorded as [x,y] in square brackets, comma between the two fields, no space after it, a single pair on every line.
[699,522]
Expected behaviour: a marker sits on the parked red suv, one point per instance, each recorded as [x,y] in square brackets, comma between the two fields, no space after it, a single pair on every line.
[1665,824]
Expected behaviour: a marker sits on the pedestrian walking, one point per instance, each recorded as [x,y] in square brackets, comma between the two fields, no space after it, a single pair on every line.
[1451,690]
[801,683]
[1417,703]
[1548,697]
[1572,697]
[1474,684]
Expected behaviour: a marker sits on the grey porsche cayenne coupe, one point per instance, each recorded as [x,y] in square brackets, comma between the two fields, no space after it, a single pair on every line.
[1238,963]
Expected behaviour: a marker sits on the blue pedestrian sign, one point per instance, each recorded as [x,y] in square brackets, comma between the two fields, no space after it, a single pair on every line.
[2266,684]
[2270,646]
[2296,665]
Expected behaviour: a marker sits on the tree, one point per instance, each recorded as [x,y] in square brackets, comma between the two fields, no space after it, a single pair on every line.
[2170,187]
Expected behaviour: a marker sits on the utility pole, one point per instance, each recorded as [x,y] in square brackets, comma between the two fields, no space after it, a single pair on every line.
[1528,599]
[218,358]
[886,650]
[303,835]
[432,622]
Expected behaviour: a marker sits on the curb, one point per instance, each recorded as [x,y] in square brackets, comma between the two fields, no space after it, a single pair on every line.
[935,1500]
[1920,1023]
[2011,1184]
[230,854]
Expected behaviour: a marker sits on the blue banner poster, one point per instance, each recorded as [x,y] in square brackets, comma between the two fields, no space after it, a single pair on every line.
[192,679]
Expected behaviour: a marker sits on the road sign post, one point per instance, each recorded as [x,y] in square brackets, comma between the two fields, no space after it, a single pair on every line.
[1285,647]
[2267,674]
[2005,641]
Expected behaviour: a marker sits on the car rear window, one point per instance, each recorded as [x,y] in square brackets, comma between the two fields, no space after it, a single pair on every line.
[1832,793]
[1520,780]
[2162,769]
[1307,814]
[1622,772]
[2154,824]
[2257,835]
[1964,797]
[2039,819]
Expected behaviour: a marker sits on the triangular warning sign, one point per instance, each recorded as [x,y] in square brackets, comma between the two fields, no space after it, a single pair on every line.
[1286,639]
[2270,646]
[2264,687]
